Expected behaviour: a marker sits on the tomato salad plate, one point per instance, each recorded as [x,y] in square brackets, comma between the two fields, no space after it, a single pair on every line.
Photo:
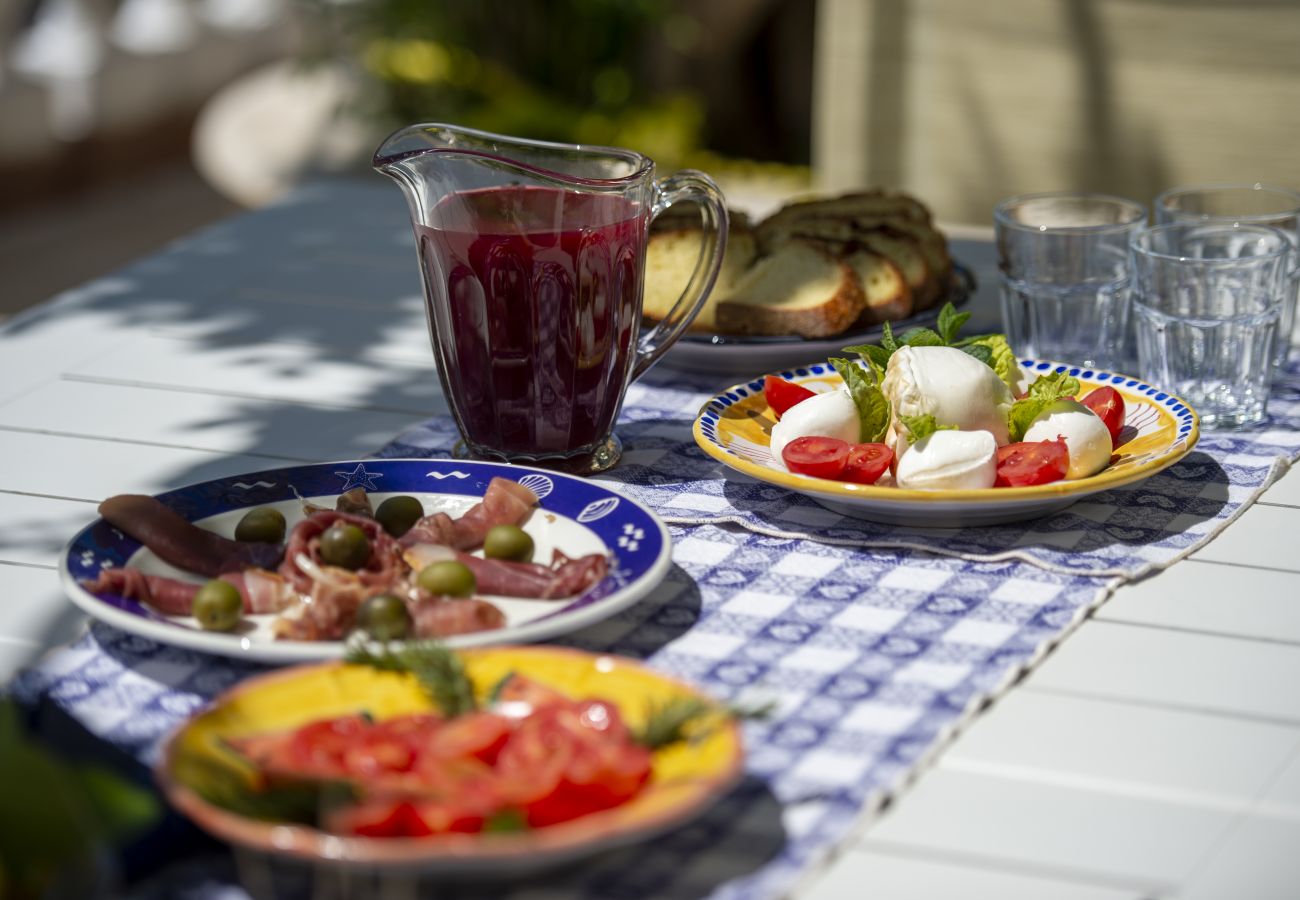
[285,564]
[1142,429]
[483,761]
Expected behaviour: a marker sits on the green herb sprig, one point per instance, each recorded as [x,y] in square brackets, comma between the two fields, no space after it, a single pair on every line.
[438,670]
[690,719]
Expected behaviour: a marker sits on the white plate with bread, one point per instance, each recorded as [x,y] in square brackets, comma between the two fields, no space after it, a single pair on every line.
[813,277]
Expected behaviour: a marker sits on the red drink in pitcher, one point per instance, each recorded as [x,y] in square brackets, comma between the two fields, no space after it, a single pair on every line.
[534,300]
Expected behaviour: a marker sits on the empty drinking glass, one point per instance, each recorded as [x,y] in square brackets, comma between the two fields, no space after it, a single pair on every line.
[1245,204]
[1207,298]
[1065,276]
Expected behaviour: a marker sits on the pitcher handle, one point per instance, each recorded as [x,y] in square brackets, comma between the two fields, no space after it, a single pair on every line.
[696,187]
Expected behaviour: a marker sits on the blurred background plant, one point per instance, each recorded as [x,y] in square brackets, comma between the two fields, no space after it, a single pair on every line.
[60,820]
[612,72]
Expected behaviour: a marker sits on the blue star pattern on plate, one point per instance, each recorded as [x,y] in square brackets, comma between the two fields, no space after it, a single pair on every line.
[359,477]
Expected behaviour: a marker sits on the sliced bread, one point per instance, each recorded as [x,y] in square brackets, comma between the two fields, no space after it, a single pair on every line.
[671,256]
[886,291]
[803,288]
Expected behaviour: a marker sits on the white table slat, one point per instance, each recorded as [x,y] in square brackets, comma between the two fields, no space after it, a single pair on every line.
[1188,671]
[34,529]
[291,372]
[1061,832]
[873,875]
[1135,751]
[1217,598]
[215,422]
[1264,536]
[1258,860]
[90,469]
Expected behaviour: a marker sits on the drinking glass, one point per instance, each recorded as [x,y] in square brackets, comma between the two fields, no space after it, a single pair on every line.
[1207,301]
[1065,276]
[1245,204]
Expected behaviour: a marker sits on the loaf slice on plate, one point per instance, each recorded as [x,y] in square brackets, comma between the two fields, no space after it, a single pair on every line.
[802,288]
[887,294]
[671,255]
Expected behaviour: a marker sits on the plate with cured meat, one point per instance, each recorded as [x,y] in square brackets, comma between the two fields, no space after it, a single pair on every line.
[286,564]
[486,761]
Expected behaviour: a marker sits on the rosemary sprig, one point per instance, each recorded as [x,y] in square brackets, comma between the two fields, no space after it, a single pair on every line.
[687,718]
[439,671]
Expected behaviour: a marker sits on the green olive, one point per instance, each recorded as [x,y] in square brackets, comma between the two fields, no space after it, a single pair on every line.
[385,618]
[398,514]
[261,524]
[508,542]
[448,578]
[218,606]
[344,545]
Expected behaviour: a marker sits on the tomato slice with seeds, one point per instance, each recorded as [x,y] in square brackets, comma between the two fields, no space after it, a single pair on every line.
[1108,404]
[867,462]
[781,394]
[820,457]
[1032,462]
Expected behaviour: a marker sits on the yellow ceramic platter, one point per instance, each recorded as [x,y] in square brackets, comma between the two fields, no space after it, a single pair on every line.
[687,776]
[1160,428]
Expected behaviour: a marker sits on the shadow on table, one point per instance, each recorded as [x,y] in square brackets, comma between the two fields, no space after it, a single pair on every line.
[650,624]
[732,840]
[1178,500]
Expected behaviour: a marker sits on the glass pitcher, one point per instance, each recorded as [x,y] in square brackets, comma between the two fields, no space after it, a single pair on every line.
[532,256]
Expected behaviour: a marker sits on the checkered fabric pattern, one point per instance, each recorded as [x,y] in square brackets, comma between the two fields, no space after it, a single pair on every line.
[1129,531]
[871,657]
[874,644]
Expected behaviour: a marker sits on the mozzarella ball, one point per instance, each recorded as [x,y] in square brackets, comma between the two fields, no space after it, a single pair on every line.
[1084,432]
[950,460]
[954,387]
[832,414]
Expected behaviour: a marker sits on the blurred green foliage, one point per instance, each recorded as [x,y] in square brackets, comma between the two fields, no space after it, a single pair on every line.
[576,71]
[56,817]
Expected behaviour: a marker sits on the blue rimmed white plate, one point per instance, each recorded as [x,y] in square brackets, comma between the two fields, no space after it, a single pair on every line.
[573,515]
[1159,429]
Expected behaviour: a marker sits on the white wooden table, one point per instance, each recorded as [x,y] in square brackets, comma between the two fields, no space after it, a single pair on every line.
[1155,754]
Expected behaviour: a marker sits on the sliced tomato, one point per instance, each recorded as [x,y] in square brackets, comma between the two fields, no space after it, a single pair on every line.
[781,394]
[867,462]
[477,735]
[376,817]
[820,457]
[319,748]
[1032,462]
[1108,404]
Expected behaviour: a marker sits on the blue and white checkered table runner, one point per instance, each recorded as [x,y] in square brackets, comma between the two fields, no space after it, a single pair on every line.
[875,642]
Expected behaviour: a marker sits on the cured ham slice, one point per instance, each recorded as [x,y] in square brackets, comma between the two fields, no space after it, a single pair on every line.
[565,577]
[182,543]
[443,618]
[380,571]
[506,502]
[262,591]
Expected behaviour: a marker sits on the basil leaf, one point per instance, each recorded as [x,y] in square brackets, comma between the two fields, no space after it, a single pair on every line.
[980,352]
[921,427]
[1045,391]
[873,408]
[876,357]
[950,322]
[921,337]
[887,338]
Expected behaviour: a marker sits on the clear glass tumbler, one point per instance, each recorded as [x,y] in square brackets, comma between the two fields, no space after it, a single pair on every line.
[1245,204]
[1207,299]
[1065,276]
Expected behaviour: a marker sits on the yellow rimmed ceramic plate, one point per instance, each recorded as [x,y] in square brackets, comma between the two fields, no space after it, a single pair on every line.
[1159,429]
[687,778]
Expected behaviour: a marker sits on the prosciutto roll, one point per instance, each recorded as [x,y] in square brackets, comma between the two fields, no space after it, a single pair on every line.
[506,502]
[262,591]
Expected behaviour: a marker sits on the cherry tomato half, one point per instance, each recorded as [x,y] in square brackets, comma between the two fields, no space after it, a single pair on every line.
[1108,404]
[867,462]
[1032,462]
[781,394]
[820,457]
